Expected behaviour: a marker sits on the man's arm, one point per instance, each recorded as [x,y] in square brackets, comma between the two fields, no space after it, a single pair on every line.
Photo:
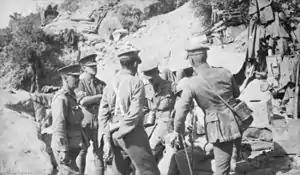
[104,111]
[182,107]
[59,113]
[82,97]
[235,88]
[88,100]
[133,105]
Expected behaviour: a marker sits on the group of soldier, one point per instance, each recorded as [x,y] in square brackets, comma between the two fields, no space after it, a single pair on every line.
[128,117]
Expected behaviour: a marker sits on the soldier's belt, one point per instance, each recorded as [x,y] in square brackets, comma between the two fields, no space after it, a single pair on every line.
[93,107]
[74,127]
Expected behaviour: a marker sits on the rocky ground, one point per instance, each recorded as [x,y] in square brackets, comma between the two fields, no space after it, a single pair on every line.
[22,151]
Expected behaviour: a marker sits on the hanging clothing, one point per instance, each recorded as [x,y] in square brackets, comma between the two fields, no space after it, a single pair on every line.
[263,9]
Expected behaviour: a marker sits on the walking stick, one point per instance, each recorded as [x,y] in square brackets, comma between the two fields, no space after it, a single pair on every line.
[187,155]
[191,134]
[296,92]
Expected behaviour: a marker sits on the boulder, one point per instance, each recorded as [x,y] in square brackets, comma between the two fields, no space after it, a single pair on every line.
[259,102]
[82,15]
[21,149]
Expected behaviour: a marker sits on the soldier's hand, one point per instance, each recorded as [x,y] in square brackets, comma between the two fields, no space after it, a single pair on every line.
[64,157]
[208,148]
[107,151]
[176,141]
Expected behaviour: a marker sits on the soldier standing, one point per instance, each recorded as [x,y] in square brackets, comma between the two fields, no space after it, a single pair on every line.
[222,129]
[89,94]
[160,100]
[121,113]
[67,140]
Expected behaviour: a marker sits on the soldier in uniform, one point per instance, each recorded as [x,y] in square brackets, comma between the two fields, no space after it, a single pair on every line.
[121,114]
[160,100]
[67,140]
[89,94]
[222,129]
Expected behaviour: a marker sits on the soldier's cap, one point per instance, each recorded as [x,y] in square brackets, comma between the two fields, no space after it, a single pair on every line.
[89,60]
[195,46]
[129,53]
[73,70]
[149,68]
[181,84]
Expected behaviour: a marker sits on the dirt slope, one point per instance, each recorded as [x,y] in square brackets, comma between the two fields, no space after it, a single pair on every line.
[21,151]
[169,32]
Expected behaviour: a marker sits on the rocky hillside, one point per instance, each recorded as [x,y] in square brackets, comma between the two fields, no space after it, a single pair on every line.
[158,37]
[162,37]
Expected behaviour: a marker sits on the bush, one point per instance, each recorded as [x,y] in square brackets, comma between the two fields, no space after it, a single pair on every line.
[26,35]
[162,7]
[70,5]
[130,17]
[203,8]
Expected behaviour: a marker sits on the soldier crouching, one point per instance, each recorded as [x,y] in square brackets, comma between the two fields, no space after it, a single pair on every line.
[67,140]
[160,100]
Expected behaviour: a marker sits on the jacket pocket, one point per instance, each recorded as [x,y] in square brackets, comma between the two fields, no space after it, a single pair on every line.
[212,127]
[166,103]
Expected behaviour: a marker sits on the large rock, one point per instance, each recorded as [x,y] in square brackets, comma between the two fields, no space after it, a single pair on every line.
[21,149]
[259,102]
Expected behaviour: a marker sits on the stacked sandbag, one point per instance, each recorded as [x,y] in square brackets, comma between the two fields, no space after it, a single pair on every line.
[42,105]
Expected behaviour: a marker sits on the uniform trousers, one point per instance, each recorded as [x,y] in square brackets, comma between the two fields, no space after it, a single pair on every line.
[73,154]
[92,135]
[133,148]
[223,153]
[157,135]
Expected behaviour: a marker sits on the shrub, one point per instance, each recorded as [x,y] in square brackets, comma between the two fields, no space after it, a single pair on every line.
[129,16]
[203,8]
[162,7]
[70,5]
[26,34]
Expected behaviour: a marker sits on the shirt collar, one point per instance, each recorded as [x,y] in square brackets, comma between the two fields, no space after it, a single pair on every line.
[160,86]
[70,92]
[126,72]
[201,68]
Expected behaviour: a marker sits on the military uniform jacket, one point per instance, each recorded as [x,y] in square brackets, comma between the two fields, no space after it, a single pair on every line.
[162,101]
[220,123]
[89,87]
[131,97]
[67,117]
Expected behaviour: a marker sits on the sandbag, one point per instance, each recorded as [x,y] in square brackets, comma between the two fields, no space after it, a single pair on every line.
[167,163]
[42,108]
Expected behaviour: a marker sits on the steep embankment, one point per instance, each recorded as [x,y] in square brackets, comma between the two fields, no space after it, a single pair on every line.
[169,33]
[21,151]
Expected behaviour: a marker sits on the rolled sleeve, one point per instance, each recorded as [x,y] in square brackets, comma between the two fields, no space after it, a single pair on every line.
[182,107]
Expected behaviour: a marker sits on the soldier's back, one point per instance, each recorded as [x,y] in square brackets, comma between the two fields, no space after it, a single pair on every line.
[216,80]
